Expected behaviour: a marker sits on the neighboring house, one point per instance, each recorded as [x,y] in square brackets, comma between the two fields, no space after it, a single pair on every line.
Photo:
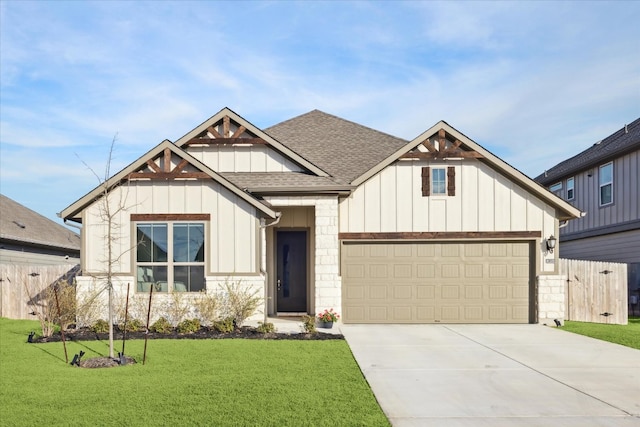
[28,238]
[604,182]
[318,212]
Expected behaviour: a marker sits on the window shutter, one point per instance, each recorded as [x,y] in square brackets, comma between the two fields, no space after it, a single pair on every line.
[426,182]
[451,181]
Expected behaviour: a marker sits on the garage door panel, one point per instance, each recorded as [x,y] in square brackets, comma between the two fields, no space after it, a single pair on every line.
[461,282]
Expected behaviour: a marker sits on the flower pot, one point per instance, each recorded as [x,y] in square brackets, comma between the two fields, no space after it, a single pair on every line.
[326,325]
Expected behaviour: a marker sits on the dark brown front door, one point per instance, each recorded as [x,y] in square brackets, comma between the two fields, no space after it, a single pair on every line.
[291,277]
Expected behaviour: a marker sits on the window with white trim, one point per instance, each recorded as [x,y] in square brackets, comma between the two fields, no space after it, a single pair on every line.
[438,181]
[570,188]
[170,256]
[556,187]
[606,184]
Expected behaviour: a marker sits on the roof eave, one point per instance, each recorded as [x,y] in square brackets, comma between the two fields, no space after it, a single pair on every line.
[73,211]
[257,131]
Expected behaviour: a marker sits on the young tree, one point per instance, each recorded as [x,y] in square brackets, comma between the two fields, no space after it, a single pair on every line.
[110,204]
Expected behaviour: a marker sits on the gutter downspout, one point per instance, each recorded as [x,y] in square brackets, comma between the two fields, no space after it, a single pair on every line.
[263,266]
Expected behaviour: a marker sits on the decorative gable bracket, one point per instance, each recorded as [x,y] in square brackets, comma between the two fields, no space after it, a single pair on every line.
[225,131]
[442,148]
[168,166]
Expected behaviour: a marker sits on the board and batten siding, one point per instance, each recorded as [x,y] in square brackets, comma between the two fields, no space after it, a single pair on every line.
[617,247]
[626,195]
[241,158]
[232,232]
[484,201]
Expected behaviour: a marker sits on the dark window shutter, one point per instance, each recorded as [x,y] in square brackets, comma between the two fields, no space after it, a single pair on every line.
[451,181]
[426,182]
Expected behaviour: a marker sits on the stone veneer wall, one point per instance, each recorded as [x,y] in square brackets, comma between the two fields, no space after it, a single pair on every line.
[327,282]
[551,298]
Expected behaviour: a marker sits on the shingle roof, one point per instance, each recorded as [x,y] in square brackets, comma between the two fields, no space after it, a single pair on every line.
[620,142]
[260,181]
[21,224]
[342,148]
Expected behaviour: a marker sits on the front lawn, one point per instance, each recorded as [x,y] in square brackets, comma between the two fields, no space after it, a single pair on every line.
[627,335]
[184,382]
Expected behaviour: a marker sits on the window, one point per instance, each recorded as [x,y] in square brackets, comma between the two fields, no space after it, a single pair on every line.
[556,187]
[170,256]
[438,181]
[570,188]
[606,184]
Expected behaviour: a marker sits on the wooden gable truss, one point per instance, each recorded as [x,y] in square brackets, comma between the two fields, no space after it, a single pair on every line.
[442,147]
[167,165]
[226,131]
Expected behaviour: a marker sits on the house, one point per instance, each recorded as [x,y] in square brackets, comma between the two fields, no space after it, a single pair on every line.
[319,212]
[28,238]
[34,252]
[604,182]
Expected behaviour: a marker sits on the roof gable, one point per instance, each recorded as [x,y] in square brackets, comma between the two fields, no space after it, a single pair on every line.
[163,162]
[227,127]
[343,148]
[444,141]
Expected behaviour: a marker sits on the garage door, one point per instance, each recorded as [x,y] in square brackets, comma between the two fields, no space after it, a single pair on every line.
[453,282]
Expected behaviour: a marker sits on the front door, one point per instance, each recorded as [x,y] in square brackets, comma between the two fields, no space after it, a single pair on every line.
[291,277]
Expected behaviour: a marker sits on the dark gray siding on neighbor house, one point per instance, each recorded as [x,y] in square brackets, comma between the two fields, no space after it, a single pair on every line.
[618,247]
[623,213]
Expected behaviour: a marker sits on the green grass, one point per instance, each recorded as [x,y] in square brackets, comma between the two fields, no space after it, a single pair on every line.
[231,382]
[627,335]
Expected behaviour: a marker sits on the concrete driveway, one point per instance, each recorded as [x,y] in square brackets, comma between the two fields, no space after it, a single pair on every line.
[497,375]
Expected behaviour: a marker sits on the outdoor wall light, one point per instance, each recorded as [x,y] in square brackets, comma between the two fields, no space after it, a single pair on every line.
[551,244]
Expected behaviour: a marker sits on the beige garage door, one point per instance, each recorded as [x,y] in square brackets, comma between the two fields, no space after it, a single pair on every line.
[460,282]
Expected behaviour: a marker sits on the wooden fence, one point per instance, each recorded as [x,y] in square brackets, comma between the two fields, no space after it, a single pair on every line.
[18,282]
[596,291]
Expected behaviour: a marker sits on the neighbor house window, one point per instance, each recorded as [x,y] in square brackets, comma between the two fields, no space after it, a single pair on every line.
[556,187]
[606,184]
[570,189]
[170,256]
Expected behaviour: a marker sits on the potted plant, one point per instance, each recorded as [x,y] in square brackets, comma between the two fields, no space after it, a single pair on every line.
[326,318]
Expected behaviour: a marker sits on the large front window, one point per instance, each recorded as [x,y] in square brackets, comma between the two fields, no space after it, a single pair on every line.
[170,256]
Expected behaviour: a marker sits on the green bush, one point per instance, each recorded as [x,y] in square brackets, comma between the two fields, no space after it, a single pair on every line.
[189,326]
[161,326]
[100,326]
[225,325]
[266,328]
[134,325]
[309,324]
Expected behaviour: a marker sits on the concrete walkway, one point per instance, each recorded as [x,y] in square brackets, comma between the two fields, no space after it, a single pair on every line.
[497,375]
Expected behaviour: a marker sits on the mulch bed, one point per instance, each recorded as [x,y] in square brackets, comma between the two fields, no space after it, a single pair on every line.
[246,332]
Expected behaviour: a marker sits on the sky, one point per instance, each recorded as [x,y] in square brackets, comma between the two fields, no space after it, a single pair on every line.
[533,82]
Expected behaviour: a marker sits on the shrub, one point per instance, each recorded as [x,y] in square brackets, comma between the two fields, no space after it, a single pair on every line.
[240,302]
[161,326]
[309,324]
[176,308]
[207,305]
[189,326]
[225,325]
[134,325]
[266,328]
[100,326]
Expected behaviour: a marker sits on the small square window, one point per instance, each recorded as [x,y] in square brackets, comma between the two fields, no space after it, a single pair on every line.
[556,187]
